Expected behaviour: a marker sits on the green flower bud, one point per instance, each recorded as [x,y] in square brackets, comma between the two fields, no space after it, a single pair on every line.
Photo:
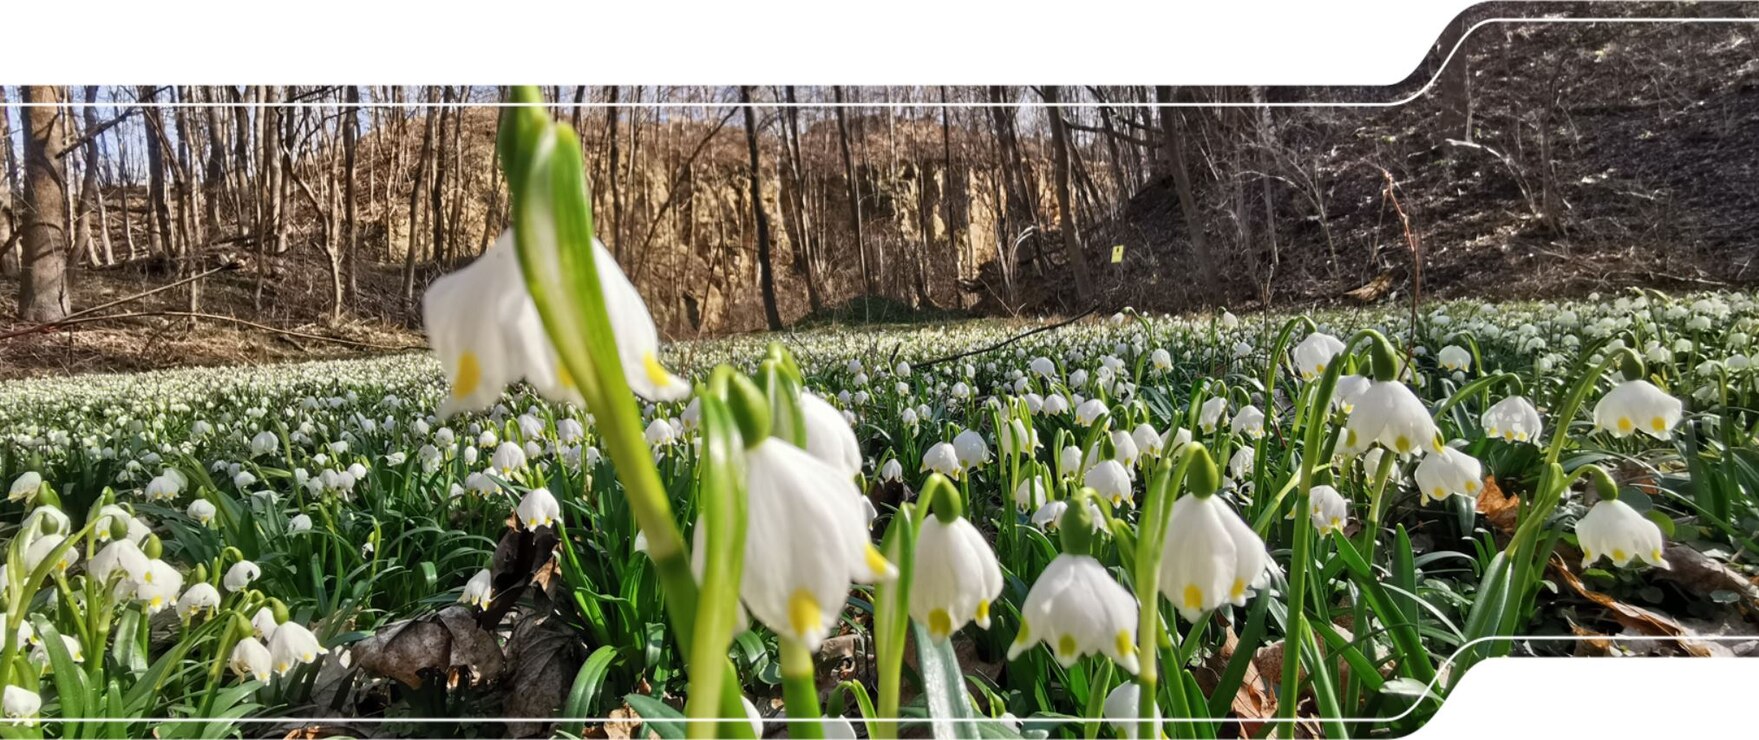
[1202,477]
[1076,526]
[751,410]
[152,547]
[279,609]
[943,498]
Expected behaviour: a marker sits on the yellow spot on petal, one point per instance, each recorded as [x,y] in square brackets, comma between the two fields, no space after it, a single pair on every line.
[1025,634]
[983,612]
[1125,646]
[1402,444]
[656,373]
[940,624]
[563,377]
[1658,424]
[1471,486]
[1193,596]
[1238,591]
[1619,556]
[1066,647]
[804,614]
[1655,556]
[1320,368]
[1439,493]
[470,374]
[1336,523]
[1625,424]
[877,562]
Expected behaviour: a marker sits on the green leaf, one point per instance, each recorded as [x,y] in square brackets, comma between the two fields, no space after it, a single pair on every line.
[583,696]
[657,716]
[1661,520]
[943,686]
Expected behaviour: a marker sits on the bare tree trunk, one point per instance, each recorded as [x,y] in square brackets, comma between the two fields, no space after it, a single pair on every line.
[415,190]
[351,217]
[89,186]
[159,235]
[854,191]
[1071,232]
[437,191]
[765,271]
[11,258]
[616,225]
[1173,160]
[43,291]
[795,216]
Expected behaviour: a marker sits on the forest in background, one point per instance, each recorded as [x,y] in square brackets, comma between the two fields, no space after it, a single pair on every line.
[1545,158]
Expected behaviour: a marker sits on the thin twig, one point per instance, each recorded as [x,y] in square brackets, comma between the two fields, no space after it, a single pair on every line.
[73,318]
[1008,341]
[233,319]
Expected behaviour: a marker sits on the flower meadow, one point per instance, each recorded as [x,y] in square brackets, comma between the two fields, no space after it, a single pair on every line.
[1204,526]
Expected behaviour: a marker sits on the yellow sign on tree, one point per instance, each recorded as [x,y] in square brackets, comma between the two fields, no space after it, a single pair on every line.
[1117,254]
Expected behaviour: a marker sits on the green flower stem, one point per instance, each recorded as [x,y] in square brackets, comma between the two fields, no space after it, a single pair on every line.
[1377,505]
[1295,639]
[799,692]
[891,613]
[1163,489]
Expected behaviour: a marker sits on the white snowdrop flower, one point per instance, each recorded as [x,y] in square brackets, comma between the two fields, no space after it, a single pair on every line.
[1211,557]
[265,443]
[1076,609]
[1078,379]
[199,598]
[241,575]
[299,523]
[1314,353]
[910,418]
[1161,359]
[828,435]
[1634,405]
[263,623]
[479,591]
[1210,415]
[1030,494]
[942,458]
[539,508]
[47,519]
[1110,479]
[569,431]
[1175,440]
[1241,464]
[508,458]
[1249,421]
[1229,320]
[1123,710]
[892,470]
[1055,404]
[1349,390]
[1614,530]
[1242,350]
[162,488]
[121,558]
[25,487]
[201,510]
[250,659]
[293,645]
[805,542]
[961,391]
[660,434]
[1089,411]
[157,585]
[243,479]
[1454,358]
[39,655]
[1449,472]
[40,549]
[1388,413]
[1049,515]
[956,578]
[1328,509]
[970,448]
[1513,419]
[357,470]
[1069,462]
[1147,441]
[21,705]
[1015,439]
[903,369]
[1124,450]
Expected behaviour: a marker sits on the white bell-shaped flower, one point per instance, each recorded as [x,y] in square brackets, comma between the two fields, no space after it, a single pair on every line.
[199,598]
[828,435]
[1014,439]
[1249,422]
[1210,415]
[1148,442]
[1089,411]
[25,487]
[240,575]
[1614,530]
[1030,494]
[21,704]
[805,541]
[479,590]
[487,332]
[250,659]
[1513,419]
[1349,390]
[1454,358]
[1449,472]
[157,586]
[1637,405]
[942,458]
[1211,557]
[1328,509]
[1388,413]
[1049,515]
[202,511]
[956,578]
[1123,710]
[1055,404]
[538,508]
[40,549]
[263,623]
[508,459]
[265,443]
[293,645]
[1241,463]
[1069,462]
[970,449]
[1314,353]
[892,470]
[1110,479]
[1076,609]
[119,559]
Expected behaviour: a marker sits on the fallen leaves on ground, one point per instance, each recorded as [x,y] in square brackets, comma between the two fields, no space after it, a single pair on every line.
[1636,618]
